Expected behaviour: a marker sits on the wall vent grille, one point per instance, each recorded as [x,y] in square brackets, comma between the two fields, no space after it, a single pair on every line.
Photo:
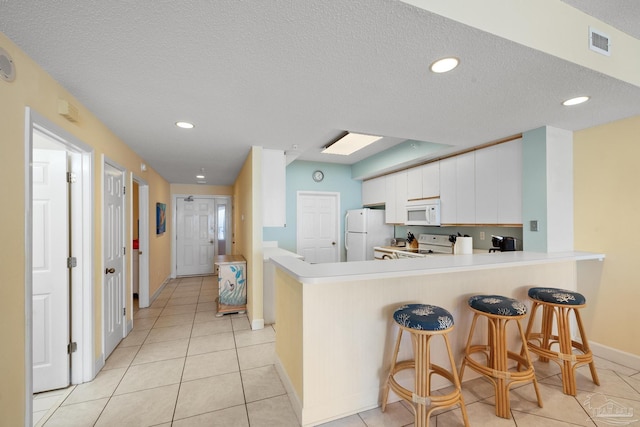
[599,42]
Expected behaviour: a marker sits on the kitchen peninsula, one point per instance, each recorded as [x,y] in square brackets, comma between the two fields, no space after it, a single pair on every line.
[335,336]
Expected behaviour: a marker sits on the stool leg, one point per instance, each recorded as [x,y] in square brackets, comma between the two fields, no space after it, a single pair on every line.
[385,393]
[422,379]
[498,332]
[546,330]
[585,346]
[566,351]
[467,349]
[456,380]
[527,356]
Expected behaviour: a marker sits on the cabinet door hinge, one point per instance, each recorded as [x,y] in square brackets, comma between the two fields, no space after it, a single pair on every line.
[124,311]
[71,177]
[124,190]
[72,262]
[72,347]
[124,250]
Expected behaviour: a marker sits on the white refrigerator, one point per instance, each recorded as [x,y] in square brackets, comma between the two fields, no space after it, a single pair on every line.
[364,229]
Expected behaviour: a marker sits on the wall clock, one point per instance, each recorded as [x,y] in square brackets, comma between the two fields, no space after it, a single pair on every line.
[318,175]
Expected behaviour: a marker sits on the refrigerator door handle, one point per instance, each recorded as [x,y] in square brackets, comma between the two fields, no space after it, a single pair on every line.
[346,231]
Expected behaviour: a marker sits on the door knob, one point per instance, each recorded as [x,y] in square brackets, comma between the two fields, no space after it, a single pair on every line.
[110,270]
[333,243]
[140,253]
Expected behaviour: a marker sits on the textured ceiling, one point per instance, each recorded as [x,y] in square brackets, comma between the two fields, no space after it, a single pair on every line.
[293,74]
[622,14]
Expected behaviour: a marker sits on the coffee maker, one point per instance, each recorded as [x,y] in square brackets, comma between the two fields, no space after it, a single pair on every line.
[503,243]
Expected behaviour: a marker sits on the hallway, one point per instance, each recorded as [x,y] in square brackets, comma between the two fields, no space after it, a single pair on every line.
[183,366]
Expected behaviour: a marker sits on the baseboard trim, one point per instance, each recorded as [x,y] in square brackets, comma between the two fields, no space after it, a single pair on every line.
[614,355]
[257,324]
[293,397]
[98,364]
[159,290]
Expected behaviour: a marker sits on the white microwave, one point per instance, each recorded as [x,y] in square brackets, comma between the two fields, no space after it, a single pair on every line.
[422,212]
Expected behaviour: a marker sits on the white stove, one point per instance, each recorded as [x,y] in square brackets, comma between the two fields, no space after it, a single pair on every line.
[428,245]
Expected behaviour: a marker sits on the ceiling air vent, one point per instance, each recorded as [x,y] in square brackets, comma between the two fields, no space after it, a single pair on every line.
[599,42]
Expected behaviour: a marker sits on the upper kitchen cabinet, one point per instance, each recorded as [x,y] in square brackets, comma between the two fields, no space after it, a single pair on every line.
[510,182]
[396,194]
[374,192]
[499,184]
[457,189]
[423,181]
[274,186]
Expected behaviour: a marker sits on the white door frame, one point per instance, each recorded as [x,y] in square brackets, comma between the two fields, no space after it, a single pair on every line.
[334,194]
[83,367]
[143,240]
[107,161]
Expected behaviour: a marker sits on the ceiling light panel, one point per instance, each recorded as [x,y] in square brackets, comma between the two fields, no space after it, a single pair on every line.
[444,65]
[185,125]
[575,101]
[350,143]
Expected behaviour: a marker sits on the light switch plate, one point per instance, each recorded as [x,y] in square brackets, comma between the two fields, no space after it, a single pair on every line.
[533,225]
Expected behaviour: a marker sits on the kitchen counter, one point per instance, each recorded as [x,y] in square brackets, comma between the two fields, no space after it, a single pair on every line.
[431,264]
[335,331]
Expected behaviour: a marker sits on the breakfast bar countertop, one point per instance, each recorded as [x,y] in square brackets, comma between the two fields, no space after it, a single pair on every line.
[361,270]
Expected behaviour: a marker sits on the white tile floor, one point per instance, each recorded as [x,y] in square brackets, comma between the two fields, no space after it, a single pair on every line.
[183,366]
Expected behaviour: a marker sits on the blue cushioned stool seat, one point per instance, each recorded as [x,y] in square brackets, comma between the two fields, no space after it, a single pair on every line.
[557,296]
[498,305]
[423,317]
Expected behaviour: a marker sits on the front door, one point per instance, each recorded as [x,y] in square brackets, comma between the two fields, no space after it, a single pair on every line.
[50,310]
[195,235]
[114,247]
[318,226]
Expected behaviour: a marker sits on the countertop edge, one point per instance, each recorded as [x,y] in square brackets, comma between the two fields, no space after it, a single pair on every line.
[363,270]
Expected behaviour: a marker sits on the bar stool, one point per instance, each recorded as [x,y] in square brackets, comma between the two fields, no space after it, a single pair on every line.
[423,322]
[499,310]
[558,304]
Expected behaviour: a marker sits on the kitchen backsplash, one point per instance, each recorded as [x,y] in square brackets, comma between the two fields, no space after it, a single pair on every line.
[401,232]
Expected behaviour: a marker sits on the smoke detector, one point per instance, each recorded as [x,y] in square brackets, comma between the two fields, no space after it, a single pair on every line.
[7,68]
[599,42]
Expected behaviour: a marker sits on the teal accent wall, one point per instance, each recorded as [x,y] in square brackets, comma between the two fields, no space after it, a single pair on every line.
[534,189]
[394,157]
[337,178]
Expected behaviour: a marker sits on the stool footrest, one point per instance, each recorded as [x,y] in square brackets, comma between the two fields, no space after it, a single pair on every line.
[437,401]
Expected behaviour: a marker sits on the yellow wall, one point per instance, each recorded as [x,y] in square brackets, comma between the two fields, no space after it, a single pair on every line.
[247,229]
[607,202]
[36,89]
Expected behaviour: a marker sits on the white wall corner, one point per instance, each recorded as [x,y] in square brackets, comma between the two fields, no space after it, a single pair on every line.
[257,324]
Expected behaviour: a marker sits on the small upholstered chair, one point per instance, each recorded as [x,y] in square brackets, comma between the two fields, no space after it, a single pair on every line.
[423,322]
[558,304]
[499,311]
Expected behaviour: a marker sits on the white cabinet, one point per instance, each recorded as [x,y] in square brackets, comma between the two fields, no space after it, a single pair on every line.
[431,180]
[457,189]
[423,181]
[374,191]
[465,188]
[396,194]
[414,183]
[499,184]
[448,194]
[510,182]
[274,187]
[487,171]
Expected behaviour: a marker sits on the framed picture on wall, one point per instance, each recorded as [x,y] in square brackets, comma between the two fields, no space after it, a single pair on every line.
[161,218]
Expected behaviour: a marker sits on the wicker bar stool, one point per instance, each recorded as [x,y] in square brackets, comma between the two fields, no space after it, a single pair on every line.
[558,304]
[423,322]
[499,310]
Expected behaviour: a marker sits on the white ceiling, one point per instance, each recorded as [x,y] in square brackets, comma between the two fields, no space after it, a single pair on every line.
[285,74]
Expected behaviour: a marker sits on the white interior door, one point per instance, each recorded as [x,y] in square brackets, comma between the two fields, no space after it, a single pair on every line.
[318,227]
[195,236]
[50,273]
[114,262]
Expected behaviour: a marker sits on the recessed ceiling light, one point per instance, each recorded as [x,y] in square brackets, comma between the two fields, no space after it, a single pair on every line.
[200,176]
[445,64]
[576,101]
[349,143]
[184,125]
